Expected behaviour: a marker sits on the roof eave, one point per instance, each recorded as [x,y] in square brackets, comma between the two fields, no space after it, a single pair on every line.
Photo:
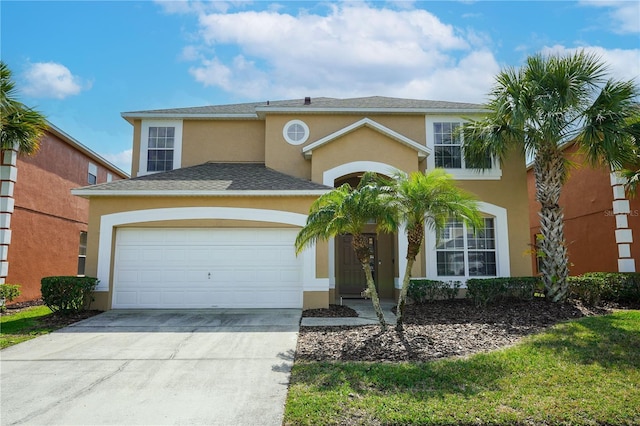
[88,193]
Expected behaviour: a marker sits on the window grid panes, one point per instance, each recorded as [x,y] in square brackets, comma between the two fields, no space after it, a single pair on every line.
[448,147]
[296,132]
[160,149]
[82,253]
[463,252]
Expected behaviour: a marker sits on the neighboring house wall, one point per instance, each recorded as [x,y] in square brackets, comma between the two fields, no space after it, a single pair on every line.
[590,220]
[47,220]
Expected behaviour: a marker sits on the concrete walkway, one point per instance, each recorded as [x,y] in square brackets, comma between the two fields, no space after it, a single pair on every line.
[160,367]
[366,314]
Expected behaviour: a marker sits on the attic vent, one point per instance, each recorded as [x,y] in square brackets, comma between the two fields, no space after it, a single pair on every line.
[307,100]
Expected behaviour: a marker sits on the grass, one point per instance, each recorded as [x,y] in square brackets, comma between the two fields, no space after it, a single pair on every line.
[583,372]
[23,325]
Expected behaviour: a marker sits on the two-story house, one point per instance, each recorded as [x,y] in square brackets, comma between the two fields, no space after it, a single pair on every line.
[43,228]
[219,193]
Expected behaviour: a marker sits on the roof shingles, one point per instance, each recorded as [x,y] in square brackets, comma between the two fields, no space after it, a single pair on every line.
[212,177]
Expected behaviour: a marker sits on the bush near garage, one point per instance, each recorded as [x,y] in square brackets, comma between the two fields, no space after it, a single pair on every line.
[424,291]
[8,292]
[68,294]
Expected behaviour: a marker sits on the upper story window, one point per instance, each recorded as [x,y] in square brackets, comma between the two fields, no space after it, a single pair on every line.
[160,146]
[109,177]
[93,174]
[447,145]
[160,149]
[445,140]
[295,132]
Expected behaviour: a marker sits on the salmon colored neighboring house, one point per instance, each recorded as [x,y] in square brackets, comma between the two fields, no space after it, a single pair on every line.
[601,221]
[43,230]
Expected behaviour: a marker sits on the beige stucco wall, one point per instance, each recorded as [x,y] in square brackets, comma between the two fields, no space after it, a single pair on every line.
[281,156]
[510,192]
[222,141]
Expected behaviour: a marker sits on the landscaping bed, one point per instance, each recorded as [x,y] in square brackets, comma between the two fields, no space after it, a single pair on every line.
[441,329]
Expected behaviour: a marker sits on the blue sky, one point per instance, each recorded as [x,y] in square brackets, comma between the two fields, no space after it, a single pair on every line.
[82,63]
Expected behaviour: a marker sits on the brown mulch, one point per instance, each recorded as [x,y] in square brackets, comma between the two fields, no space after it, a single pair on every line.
[436,330]
[333,312]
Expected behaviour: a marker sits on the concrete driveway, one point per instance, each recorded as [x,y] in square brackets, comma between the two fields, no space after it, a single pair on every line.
[160,367]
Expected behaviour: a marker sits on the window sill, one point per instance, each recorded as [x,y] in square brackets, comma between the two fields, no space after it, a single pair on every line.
[473,174]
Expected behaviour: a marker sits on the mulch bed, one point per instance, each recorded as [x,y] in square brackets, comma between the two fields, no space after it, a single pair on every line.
[436,330]
[334,311]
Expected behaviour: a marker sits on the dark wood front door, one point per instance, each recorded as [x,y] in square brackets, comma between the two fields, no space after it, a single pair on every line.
[350,276]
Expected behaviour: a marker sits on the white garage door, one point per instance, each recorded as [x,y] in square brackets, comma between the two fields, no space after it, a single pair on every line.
[206,268]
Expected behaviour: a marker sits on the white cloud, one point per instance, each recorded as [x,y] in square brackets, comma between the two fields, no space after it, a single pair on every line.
[623,16]
[353,50]
[120,159]
[51,80]
[623,64]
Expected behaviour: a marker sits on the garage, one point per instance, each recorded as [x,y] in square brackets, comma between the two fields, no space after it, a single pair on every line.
[206,268]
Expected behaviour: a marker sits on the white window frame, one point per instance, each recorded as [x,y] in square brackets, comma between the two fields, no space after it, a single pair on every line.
[466,251]
[144,143]
[93,171]
[285,132]
[495,173]
[503,263]
[109,177]
[82,253]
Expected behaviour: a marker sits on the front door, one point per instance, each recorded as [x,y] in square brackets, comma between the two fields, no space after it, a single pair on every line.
[350,276]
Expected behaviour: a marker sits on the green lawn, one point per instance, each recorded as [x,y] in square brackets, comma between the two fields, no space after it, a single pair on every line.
[583,372]
[24,325]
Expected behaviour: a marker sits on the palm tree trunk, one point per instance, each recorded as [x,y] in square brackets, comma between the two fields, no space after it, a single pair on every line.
[550,172]
[402,299]
[361,247]
[415,234]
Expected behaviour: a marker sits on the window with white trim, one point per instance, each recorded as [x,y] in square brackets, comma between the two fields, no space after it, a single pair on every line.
[295,132]
[93,174]
[82,253]
[109,177]
[160,146]
[461,252]
[446,141]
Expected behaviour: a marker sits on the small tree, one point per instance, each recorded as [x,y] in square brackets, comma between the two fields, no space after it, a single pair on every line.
[429,199]
[345,210]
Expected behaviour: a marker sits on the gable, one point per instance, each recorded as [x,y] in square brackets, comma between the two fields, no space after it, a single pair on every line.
[421,150]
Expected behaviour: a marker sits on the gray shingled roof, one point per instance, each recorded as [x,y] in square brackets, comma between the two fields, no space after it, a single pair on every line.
[211,177]
[366,103]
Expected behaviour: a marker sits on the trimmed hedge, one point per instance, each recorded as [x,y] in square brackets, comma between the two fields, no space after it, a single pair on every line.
[67,293]
[591,288]
[595,287]
[424,291]
[488,290]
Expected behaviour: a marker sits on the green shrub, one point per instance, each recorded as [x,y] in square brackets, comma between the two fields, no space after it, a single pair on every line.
[68,293]
[488,290]
[423,291]
[594,287]
[8,292]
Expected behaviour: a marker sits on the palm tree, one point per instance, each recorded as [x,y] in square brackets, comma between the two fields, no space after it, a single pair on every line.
[550,101]
[345,210]
[429,199]
[20,126]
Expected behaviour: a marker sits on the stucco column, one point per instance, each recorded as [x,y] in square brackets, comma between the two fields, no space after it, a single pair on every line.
[624,234]
[8,177]
[403,245]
